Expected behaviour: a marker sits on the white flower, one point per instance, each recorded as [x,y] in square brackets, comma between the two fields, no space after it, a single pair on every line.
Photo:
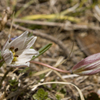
[18,52]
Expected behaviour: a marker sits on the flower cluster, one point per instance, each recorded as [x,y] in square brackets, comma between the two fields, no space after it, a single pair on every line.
[18,52]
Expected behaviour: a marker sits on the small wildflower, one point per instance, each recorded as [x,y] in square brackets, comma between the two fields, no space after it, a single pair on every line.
[88,66]
[18,52]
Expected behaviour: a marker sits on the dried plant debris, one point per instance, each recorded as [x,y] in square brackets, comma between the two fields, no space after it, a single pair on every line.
[64,57]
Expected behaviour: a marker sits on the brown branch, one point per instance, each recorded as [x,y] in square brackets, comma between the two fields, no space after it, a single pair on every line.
[64,26]
[43,35]
[38,22]
[48,37]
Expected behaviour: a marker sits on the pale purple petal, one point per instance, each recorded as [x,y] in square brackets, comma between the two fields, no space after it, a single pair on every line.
[90,66]
[90,72]
[94,72]
[87,61]
[94,65]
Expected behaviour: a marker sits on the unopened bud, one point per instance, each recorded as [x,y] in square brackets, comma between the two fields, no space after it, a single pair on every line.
[88,66]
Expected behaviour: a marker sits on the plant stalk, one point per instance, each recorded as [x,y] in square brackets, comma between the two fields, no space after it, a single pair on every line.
[46,65]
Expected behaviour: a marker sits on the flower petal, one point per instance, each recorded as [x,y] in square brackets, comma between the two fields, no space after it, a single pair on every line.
[93,65]
[30,52]
[87,61]
[31,42]
[7,56]
[26,56]
[90,72]
[20,65]
[6,45]
[20,41]
[29,38]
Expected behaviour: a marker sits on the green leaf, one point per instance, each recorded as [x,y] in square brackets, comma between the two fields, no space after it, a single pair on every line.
[40,95]
[13,85]
[58,97]
[42,50]
[13,82]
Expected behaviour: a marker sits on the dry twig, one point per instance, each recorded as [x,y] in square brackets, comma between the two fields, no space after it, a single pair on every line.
[65,26]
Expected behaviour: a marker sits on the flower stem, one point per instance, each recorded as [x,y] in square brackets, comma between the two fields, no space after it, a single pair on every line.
[1,62]
[46,65]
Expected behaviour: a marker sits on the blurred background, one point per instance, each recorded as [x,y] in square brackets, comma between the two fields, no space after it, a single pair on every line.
[66,24]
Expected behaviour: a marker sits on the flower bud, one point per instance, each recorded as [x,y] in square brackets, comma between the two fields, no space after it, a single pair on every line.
[88,66]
